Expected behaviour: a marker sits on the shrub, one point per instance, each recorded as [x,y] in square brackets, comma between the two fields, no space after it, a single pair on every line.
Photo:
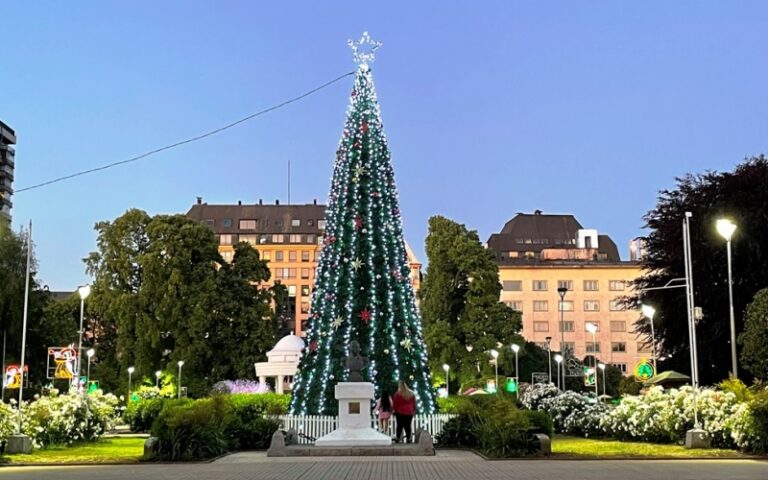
[193,429]
[571,413]
[540,422]
[248,428]
[533,397]
[141,413]
[240,386]
[448,405]
[750,427]
[629,386]
[8,421]
[261,404]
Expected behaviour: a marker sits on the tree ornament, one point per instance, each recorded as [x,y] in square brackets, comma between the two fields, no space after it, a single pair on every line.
[364,127]
[313,346]
[359,170]
[365,315]
[337,322]
[406,344]
[358,223]
[357,264]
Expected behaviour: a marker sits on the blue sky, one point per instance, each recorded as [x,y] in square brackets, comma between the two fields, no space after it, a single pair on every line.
[491,108]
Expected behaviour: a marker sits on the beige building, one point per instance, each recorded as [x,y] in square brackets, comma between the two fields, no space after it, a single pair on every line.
[289,237]
[543,256]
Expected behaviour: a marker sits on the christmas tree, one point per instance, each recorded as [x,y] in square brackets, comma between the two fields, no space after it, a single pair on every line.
[362,289]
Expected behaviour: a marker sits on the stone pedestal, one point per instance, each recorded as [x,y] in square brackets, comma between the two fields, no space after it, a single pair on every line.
[697,438]
[354,428]
[19,444]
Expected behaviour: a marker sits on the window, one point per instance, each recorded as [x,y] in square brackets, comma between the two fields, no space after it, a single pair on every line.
[540,305]
[618,347]
[616,285]
[295,222]
[515,305]
[277,238]
[294,238]
[643,347]
[226,223]
[291,289]
[566,326]
[266,255]
[304,307]
[264,239]
[591,306]
[319,239]
[592,323]
[305,290]
[617,305]
[310,223]
[539,285]
[305,273]
[566,305]
[278,223]
[210,223]
[247,224]
[617,326]
[512,285]
[227,256]
[305,255]
[321,224]
[279,256]
[225,239]
[291,273]
[249,239]
[591,285]
[292,255]
[620,366]
[310,238]
[593,347]
[568,347]
[568,284]
[540,326]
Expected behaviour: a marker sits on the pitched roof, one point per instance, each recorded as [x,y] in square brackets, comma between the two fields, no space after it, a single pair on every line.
[269,218]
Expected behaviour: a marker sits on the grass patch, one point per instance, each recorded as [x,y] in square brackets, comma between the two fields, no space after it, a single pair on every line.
[564,446]
[107,450]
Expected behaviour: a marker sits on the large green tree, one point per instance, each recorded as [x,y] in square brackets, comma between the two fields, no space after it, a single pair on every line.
[463,317]
[754,354]
[162,293]
[740,195]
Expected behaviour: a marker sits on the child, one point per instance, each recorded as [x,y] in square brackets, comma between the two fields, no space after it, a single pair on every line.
[384,410]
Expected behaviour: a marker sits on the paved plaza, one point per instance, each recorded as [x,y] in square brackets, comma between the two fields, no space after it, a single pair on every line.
[446,465]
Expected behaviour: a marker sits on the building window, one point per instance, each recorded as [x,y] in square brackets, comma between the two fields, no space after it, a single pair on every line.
[210,223]
[304,307]
[310,238]
[568,347]
[305,255]
[566,305]
[616,285]
[620,366]
[226,223]
[305,273]
[310,223]
[591,306]
[321,224]
[540,326]
[277,238]
[617,326]
[515,305]
[249,239]
[225,239]
[593,347]
[618,347]
[617,305]
[292,255]
[512,285]
[540,305]
[567,284]
[295,238]
[278,255]
[305,290]
[319,239]
[591,285]
[266,255]
[295,222]
[247,224]
[643,347]
[291,273]
[291,289]
[566,326]
[227,256]
[278,223]
[539,285]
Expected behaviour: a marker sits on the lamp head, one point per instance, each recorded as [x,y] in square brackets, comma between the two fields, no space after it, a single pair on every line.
[648,311]
[469,348]
[158,373]
[446,367]
[562,291]
[591,328]
[180,363]
[84,291]
[91,352]
[558,358]
[725,228]
[515,347]
[495,353]
[601,366]
[131,369]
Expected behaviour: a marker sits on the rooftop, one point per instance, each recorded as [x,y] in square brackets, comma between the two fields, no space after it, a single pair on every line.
[260,217]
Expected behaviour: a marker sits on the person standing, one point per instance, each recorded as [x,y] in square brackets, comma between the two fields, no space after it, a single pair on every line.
[384,410]
[404,405]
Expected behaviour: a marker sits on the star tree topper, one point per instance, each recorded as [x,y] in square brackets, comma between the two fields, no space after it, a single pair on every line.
[364,49]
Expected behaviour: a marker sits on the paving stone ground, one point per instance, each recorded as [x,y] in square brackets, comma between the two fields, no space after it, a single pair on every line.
[446,465]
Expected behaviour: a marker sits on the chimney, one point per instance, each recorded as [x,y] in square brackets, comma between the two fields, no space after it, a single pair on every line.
[277,202]
[537,212]
[199,200]
[239,202]
[260,202]
[314,202]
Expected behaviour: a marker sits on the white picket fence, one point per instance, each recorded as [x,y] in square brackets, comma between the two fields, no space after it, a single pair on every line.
[310,427]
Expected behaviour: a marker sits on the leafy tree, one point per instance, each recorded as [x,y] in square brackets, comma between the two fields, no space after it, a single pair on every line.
[740,196]
[754,355]
[463,317]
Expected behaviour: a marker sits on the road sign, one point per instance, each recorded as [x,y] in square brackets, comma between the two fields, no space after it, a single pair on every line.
[644,370]
[539,377]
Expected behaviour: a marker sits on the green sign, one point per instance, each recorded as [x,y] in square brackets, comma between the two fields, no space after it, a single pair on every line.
[134,397]
[589,377]
[644,370]
[511,385]
[93,387]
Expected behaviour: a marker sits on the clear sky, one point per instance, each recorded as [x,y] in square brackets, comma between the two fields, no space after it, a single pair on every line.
[491,108]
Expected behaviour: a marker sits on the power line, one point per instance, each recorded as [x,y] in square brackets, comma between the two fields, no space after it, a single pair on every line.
[189,140]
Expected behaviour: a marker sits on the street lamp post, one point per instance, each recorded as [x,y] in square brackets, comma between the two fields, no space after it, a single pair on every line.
[130,374]
[447,369]
[84,291]
[180,364]
[726,229]
[558,359]
[562,291]
[592,328]
[495,355]
[549,358]
[601,366]
[516,349]
[649,312]
[157,378]
[91,352]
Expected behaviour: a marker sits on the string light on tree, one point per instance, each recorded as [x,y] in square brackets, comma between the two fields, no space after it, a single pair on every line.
[362,289]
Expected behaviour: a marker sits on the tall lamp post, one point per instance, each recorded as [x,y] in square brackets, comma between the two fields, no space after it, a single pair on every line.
[562,291]
[447,369]
[91,352]
[601,366]
[726,228]
[130,374]
[549,358]
[649,312]
[592,328]
[84,291]
[157,378]
[180,364]
[495,355]
[558,359]
[516,349]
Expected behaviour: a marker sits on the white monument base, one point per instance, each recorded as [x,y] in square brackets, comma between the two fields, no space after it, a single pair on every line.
[354,429]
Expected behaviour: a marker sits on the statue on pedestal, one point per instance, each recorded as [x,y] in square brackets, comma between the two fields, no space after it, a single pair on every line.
[354,362]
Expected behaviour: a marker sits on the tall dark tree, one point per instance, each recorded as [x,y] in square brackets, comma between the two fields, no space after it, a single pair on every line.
[754,339]
[463,317]
[742,197]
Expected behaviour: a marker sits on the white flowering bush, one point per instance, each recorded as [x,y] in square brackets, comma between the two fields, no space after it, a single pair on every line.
[571,412]
[8,421]
[64,419]
[532,397]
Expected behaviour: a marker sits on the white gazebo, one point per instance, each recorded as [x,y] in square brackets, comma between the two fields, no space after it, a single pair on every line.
[282,362]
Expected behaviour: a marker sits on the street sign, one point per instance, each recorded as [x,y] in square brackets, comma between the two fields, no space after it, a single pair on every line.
[539,377]
[511,385]
[589,377]
[13,376]
[644,370]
